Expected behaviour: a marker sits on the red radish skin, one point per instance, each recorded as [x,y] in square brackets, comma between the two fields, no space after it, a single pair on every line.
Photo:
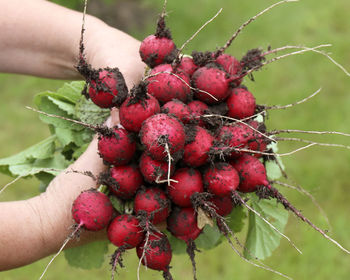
[168,86]
[159,130]
[258,142]
[235,136]
[153,170]
[132,115]
[156,50]
[213,81]
[124,181]
[156,253]
[117,148]
[93,210]
[197,148]
[187,66]
[221,179]
[182,223]
[230,64]
[222,205]
[189,181]
[198,109]
[154,202]
[125,231]
[178,109]
[241,103]
[109,90]
[252,173]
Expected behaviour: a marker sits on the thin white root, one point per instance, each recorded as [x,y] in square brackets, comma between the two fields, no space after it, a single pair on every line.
[305,49]
[236,195]
[61,249]
[169,162]
[199,30]
[274,132]
[333,61]
[294,104]
[164,8]
[165,181]
[309,195]
[261,265]
[143,255]
[93,127]
[10,183]
[234,36]
[242,122]
[89,174]
[313,142]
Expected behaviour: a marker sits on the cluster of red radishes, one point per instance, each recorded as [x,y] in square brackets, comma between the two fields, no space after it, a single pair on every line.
[186,143]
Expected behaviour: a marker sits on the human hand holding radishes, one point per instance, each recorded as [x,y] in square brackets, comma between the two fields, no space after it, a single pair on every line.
[45,42]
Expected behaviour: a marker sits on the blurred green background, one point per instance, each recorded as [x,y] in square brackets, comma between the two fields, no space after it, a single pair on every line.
[325,172]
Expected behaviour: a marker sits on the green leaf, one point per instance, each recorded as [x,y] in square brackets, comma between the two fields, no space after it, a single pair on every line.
[117,203]
[41,150]
[209,238]
[177,246]
[88,112]
[273,168]
[79,151]
[273,171]
[44,103]
[56,162]
[45,179]
[89,256]
[72,91]
[65,106]
[235,220]
[261,238]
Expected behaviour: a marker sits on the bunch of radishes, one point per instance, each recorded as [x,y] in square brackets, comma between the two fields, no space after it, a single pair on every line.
[188,144]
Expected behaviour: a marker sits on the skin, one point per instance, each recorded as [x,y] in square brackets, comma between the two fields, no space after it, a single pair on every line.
[42,39]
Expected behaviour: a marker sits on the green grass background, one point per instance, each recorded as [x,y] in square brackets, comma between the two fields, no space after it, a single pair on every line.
[325,172]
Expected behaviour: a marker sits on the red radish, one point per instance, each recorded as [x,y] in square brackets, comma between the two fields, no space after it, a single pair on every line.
[251,172]
[212,80]
[198,108]
[161,132]
[241,103]
[178,109]
[125,231]
[92,210]
[235,136]
[168,86]
[187,65]
[231,65]
[154,202]
[153,170]
[137,108]
[123,181]
[222,205]
[156,254]
[157,50]
[118,147]
[221,179]
[182,223]
[108,89]
[197,146]
[189,181]
[258,142]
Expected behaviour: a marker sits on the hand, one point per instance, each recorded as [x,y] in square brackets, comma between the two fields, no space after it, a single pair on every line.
[46,41]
